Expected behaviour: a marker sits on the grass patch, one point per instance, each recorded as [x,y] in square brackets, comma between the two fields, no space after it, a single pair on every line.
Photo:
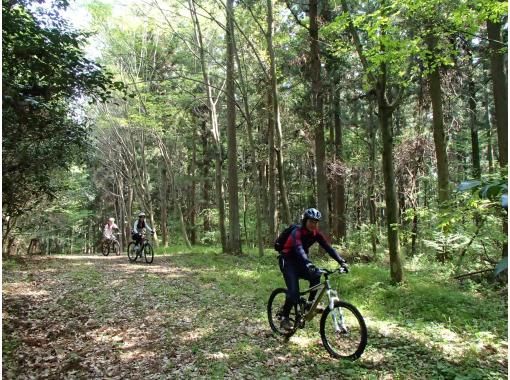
[202,314]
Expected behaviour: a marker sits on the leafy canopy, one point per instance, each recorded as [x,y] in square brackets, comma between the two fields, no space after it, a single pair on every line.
[45,80]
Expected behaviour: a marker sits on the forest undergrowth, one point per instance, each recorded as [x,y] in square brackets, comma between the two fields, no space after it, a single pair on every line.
[203,315]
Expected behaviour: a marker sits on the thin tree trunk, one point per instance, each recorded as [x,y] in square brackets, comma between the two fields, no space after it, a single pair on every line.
[488,127]
[214,128]
[389,187]
[173,191]
[318,117]
[341,229]
[205,171]
[440,139]
[254,166]
[234,226]
[499,88]
[193,190]
[475,146]
[371,182]
[276,116]
[272,216]
[164,206]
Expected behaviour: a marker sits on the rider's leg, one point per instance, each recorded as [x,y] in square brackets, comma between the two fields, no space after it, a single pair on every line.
[314,279]
[292,281]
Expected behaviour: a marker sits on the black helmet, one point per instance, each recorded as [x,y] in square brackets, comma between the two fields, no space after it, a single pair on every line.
[312,213]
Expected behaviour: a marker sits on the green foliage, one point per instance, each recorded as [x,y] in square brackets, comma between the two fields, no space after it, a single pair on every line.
[45,77]
[490,187]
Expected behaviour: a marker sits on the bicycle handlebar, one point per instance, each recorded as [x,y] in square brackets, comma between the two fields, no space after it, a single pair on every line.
[328,272]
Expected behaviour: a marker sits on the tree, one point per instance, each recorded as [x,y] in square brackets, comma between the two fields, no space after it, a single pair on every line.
[45,79]
[316,116]
[380,63]
[499,83]
[235,234]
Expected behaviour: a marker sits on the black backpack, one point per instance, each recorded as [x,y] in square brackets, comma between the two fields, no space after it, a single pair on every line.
[282,238]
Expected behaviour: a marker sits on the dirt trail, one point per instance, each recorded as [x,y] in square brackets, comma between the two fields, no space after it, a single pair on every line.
[95,317]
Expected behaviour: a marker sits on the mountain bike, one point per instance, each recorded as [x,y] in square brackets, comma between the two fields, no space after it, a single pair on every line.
[145,250]
[342,327]
[110,245]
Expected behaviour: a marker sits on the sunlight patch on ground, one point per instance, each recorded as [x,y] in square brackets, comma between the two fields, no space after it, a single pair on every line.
[217,356]
[247,274]
[441,333]
[193,336]
[22,288]
[302,341]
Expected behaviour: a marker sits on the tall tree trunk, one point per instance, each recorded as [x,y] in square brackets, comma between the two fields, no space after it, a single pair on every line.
[206,202]
[318,117]
[193,190]
[163,199]
[215,131]
[475,146]
[234,227]
[253,165]
[371,181]
[271,175]
[499,88]
[389,186]
[488,127]
[440,139]
[286,215]
[341,227]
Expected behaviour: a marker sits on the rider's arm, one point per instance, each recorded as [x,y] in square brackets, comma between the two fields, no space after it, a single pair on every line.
[298,247]
[329,249]
[148,227]
[135,230]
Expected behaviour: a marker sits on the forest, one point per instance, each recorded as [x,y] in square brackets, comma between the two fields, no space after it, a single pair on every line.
[223,121]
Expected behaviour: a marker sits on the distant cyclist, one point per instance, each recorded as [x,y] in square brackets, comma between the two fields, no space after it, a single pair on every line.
[138,227]
[108,229]
[295,263]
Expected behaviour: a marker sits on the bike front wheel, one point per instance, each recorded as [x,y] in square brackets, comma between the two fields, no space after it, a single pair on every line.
[131,251]
[115,248]
[105,249]
[343,331]
[275,313]
[148,253]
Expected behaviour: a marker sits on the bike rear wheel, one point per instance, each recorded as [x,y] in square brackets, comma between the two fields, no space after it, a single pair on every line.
[275,313]
[132,254]
[343,331]
[105,248]
[148,253]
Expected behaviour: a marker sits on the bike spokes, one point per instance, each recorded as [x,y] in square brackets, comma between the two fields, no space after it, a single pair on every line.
[275,314]
[343,331]
[148,253]
[105,249]
[132,254]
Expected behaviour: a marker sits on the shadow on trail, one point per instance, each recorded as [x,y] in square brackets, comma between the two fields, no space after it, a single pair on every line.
[184,317]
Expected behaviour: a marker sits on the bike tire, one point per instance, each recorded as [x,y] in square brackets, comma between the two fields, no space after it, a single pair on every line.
[132,254]
[274,313]
[148,252]
[350,343]
[115,248]
[105,249]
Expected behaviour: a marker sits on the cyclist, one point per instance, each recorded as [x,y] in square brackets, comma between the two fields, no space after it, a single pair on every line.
[108,230]
[295,263]
[139,225]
